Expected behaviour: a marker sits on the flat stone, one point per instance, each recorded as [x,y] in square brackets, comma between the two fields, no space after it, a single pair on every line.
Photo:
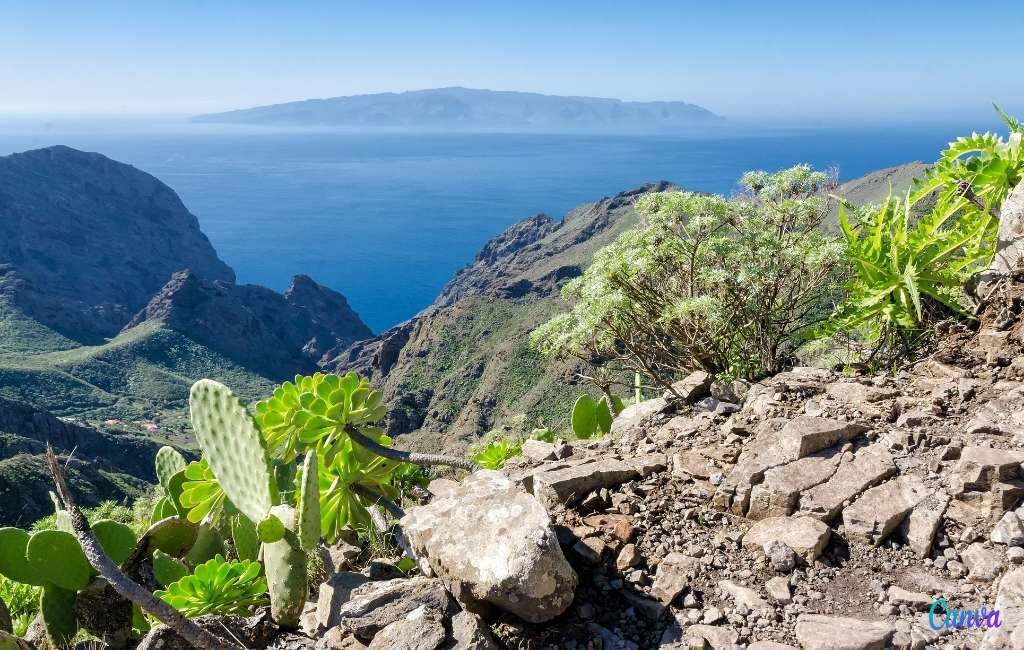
[778,590]
[719,638]
[420,629]
[980,468]
[878,511]
[333,594]
[634,414]
[770,645]
[675,573]
[376,605]
[590,549]
[805,434]
[868,467]
[492,542]
[920,527]
[567,482]
[648,464]
[983,564]
[693,464]
[914,600]
[807,536]
[539,450]
[1009,530]
[695,386]
[816,632]
[743,596]
[338,639]
[777,495]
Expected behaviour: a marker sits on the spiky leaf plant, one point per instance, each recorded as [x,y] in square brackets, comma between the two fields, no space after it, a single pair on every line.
[201,492]
[341,504]
[497,453]
[218,587]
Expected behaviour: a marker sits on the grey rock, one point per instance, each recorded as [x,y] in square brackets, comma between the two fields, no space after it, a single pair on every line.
[807,536]
[539,450]
[470,633]
[491,542]
[920,527]
[568,482]
[1010,244]
[420,629]
[778,590]
[675,573]
[333,594]
[1009,530]
[635,414]
[695,386]
[983,564]
[881,509]
[816,632]
[868,467]
[780,556]
[376,605]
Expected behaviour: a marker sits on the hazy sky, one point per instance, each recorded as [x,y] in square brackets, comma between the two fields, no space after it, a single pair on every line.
[910,60]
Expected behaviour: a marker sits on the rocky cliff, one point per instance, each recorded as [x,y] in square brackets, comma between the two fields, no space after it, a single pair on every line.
[278,335]
[88,240]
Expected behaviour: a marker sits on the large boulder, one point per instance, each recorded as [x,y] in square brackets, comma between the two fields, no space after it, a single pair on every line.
[491,542]
[1010,245]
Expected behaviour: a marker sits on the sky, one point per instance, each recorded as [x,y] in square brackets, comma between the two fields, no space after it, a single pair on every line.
[745,60]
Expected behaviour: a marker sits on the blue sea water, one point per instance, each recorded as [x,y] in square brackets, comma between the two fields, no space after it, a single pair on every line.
[387,218]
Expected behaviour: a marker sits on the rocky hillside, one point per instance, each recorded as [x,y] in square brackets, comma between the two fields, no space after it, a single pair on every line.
[464,365]
[278,335]
[88,240]
[103,465]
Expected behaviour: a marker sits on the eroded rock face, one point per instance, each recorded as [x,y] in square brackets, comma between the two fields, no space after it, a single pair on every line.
[87,240]
[489,541]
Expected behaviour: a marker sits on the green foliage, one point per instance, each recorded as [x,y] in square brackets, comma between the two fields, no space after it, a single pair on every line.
[57,606]
[245,537]
[544,435]
[218,587]
[590,416]
[56,558]
[201,492]
[705,282]
[314,411]
[340,506]
[907,271]
[22,602]
[307,523]
[117,539]
[497,453]
[167,569]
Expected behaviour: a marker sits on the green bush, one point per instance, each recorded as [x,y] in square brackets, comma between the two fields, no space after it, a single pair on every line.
[218,587]
[704,282]
[911,270]
[497,453]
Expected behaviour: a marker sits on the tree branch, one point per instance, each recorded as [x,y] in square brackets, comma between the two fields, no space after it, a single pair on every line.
[121,583]
[426,460]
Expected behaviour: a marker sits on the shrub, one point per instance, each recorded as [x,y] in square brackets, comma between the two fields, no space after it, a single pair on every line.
[707,283]
[218,587]
[909,272]
[497,453]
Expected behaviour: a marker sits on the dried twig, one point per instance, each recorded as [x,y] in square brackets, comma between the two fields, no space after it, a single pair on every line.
[121,583]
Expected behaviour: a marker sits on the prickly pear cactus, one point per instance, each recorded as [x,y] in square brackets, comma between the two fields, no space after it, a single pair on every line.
[168,463]
[285,565]
[233,446]
[58,559]
[308,504]
[117,539]
[57,607]
[13,563]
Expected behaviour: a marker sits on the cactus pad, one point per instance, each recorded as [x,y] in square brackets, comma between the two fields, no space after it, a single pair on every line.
[307,523]
[117,539]
[173,535]
[57,607]
[13,562]
[233,446]
[584,416]
[168,570]
[58,559]
[208,544]
[168,463]
[285,564]
[270,529]
[245,537]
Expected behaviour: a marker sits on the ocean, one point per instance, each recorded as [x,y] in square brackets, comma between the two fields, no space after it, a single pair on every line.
[386,219]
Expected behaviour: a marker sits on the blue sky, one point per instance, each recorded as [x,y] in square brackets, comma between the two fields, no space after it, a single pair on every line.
[822,60]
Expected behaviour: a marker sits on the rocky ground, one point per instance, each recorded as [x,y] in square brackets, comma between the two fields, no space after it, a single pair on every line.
[811,510]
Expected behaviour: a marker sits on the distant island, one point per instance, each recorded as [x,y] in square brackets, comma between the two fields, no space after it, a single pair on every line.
[473,110]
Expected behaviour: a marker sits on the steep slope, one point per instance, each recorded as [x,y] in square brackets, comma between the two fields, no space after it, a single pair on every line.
[464,365]
[274,334]
[87,240]
[103,465]
[469,109]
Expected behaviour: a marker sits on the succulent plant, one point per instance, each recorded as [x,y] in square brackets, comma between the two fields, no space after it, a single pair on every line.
[353,470]
[590,417]
[54,560]
[497,453]
[314,411]
[201,493]
[218,587]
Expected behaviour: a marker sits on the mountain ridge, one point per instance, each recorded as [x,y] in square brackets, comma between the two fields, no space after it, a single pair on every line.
[471,109]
